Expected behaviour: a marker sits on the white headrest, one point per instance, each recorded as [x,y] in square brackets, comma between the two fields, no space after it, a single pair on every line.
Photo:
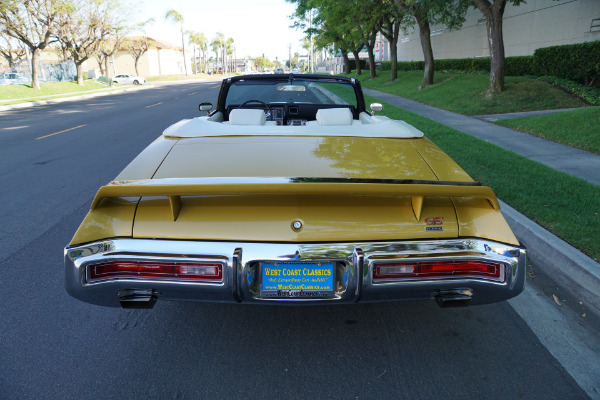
[334,116]
[246,116]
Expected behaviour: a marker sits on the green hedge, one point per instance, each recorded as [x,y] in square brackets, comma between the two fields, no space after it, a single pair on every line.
[520,66]
[577,62]
[363,64]
[515,66]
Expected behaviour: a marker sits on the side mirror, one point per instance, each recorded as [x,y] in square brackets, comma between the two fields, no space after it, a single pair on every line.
[205,107]
[376,107]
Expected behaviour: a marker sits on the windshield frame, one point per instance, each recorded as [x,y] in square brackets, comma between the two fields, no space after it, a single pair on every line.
[290,79]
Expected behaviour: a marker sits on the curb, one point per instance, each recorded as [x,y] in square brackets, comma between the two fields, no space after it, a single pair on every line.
[71,98]
[566,265]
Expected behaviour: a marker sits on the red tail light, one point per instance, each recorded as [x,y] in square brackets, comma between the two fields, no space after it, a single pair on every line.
[438,269]
[155,270]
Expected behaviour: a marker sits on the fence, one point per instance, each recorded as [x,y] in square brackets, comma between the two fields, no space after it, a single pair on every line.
[65,71]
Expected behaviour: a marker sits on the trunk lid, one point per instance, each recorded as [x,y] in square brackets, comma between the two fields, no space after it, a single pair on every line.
[326,215]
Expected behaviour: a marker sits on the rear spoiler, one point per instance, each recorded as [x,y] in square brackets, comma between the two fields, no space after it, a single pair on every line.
[175,188]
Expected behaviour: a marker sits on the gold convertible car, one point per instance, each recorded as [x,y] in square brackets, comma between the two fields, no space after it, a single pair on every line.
[290,192]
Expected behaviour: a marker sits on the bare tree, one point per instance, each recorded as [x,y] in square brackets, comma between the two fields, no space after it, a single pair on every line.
[110,45]
[13,55]
[82,30]
[34,23]
[137,47]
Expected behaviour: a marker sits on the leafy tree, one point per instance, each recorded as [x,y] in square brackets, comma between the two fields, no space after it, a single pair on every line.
[390,29]
[493,12]
[262,63]
[34,23]
[426,12]
[176,17]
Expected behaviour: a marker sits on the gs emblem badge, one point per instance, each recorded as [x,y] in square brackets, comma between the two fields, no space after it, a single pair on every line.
[434,220]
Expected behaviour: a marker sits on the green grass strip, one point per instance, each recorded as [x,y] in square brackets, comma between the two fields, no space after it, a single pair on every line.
[466,93]
[567,206]
[15,94]
[578,128]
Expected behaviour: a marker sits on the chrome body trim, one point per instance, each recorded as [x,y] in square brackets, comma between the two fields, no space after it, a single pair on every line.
[354,263]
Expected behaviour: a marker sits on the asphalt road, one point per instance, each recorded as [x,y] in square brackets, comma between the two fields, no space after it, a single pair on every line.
[53,159]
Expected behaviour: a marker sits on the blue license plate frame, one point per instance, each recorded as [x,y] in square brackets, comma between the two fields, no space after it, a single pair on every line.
[297,280]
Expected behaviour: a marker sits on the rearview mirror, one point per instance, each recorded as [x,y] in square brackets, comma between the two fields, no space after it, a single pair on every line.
[376,107]
[291,88]
[205,107]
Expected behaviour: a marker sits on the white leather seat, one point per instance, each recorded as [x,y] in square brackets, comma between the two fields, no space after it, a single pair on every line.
[247,116]
[334,116]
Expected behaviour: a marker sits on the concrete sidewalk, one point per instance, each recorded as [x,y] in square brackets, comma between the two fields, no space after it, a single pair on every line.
[496,117]
[577,272]
[579,163]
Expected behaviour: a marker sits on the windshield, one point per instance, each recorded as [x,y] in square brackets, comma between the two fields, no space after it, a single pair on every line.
[291,91]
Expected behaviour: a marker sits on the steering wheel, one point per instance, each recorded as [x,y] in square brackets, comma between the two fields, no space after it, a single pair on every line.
[262,103]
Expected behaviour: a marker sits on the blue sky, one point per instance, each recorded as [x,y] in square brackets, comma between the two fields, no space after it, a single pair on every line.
[256,26]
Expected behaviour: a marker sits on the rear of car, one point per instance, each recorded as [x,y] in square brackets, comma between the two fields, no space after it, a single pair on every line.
[295,215]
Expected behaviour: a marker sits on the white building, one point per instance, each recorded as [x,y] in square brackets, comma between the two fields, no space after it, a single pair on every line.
[531,25]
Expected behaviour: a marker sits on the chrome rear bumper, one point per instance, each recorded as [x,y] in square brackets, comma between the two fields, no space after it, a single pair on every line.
[240,261]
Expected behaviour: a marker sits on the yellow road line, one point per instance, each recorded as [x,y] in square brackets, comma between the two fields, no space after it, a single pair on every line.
[56,133]
[214,87]
[154,105]
[191,94]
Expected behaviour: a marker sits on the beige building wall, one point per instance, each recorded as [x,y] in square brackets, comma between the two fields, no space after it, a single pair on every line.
[155,61]
[535,24]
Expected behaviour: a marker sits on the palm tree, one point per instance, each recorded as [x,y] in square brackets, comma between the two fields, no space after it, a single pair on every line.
[193,38]
[218,45]
[174,16]
[203,44]
[229,48]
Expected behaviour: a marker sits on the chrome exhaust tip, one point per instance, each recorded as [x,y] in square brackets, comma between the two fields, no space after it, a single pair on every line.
[137,299]
[454,298]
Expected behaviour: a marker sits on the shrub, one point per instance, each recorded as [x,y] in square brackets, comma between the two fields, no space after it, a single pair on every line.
[587,93]
[520,66]
[410,65]
[363,64]
[577,62]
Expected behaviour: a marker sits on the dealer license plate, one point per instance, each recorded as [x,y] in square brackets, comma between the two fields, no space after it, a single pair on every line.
[297,280]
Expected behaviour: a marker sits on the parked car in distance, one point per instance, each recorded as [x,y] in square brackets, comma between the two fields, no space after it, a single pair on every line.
[126,79]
